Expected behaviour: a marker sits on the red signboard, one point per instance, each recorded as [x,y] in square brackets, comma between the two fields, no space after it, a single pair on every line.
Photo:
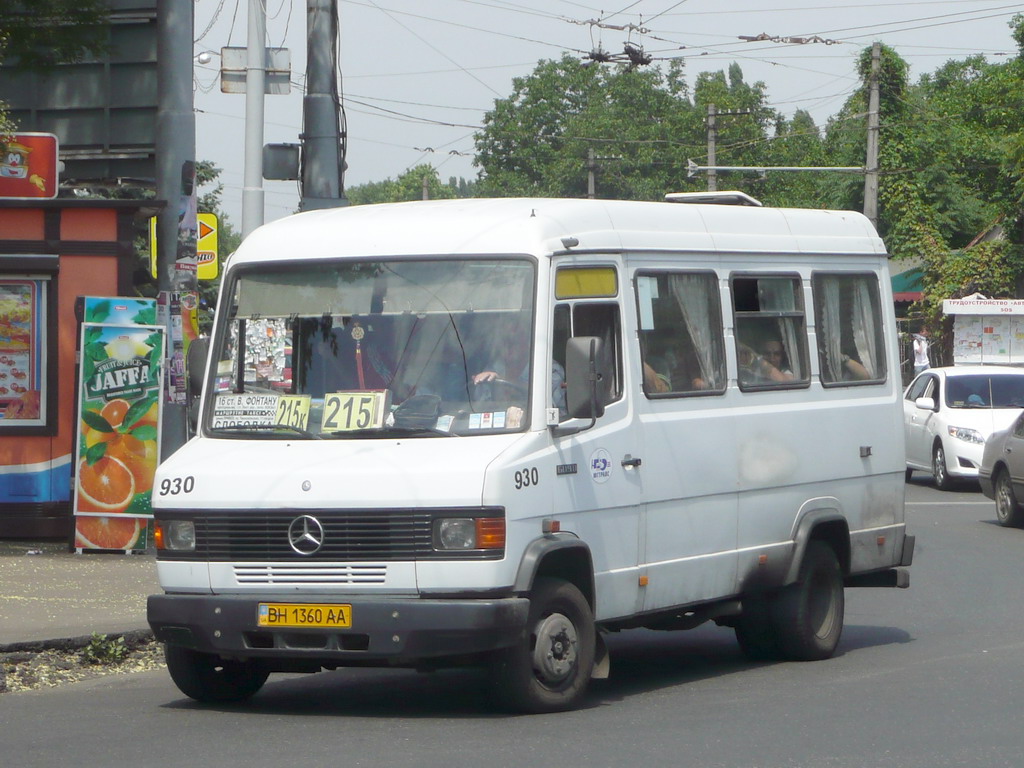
[28,166]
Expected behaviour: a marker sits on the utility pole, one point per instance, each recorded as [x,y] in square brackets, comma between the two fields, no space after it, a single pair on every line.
[871,160]
[255,84]
[323,140]
[175,184]
[591,170]
[712,137]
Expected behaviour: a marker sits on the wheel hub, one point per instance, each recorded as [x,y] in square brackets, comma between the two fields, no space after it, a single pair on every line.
[555,654]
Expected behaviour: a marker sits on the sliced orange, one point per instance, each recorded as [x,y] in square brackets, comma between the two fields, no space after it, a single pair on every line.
[138,455]
[106,486]
[114,411]
[107,532]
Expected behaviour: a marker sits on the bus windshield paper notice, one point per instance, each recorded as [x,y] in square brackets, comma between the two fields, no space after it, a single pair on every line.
[244,410]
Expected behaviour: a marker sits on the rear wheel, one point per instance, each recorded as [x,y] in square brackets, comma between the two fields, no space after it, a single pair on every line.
[755,631]
[939,471]
[808,615]
[909,474]
[548,670]
[209,678]
[1008,511]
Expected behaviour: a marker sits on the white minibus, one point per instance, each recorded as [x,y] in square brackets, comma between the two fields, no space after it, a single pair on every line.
[512,426]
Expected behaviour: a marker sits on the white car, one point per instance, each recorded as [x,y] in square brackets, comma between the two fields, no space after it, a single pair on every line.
[949,413]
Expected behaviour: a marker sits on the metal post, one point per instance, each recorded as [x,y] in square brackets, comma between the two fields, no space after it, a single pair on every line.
[871,160]
[255,87]
[712,137]
[175,180]
[591,167]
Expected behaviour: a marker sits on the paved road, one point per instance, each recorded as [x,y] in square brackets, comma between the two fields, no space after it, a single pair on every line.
[924,677]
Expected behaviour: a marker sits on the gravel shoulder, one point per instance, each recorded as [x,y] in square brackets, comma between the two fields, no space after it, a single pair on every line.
[40,667]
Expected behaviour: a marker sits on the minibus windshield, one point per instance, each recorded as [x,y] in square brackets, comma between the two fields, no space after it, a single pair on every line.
[357,350]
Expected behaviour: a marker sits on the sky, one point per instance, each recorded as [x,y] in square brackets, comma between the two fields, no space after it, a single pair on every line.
[417,77]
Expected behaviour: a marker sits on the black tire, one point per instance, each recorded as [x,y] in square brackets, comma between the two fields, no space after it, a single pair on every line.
[211,679]
[939,471]
[549,669]
[808,615]
[1008,511]
[755,632]
[909,474]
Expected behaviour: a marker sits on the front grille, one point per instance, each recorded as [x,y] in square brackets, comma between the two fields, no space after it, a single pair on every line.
[310,574]
[362,536]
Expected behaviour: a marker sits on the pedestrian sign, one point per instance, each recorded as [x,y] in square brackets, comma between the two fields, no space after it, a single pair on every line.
[206,246]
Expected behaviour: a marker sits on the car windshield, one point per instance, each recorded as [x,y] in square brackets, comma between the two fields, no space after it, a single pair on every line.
[997,390]
[429,347]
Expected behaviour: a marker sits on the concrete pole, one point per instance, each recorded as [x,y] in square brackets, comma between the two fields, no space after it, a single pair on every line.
[712,139]
[591,171]
[323,159]
[871,160]
[175,184]
[255,88]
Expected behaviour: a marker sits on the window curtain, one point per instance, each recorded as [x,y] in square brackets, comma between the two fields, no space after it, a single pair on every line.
[694,294]
[829,332]
[865,332]
[791,344]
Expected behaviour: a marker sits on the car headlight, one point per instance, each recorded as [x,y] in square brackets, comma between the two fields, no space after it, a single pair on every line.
[177,535]
[462,533]
[967,435]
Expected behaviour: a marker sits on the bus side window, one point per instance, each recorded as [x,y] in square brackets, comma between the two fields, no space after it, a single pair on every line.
[602,320]
[770,331]
[849,328]
[681,340]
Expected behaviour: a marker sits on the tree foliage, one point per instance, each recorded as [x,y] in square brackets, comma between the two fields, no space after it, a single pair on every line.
[951,151]
[39,34]
[421,182]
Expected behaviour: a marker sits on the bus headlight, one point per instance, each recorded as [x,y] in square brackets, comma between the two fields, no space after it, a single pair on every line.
[464,533]
[177,535]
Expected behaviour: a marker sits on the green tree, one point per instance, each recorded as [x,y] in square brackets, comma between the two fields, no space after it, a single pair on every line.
[408,186]
[39,34]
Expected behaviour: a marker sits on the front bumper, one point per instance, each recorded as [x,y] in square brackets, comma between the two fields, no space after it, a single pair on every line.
[384,632]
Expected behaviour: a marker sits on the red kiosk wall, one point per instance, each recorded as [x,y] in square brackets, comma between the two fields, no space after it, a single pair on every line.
[88,245]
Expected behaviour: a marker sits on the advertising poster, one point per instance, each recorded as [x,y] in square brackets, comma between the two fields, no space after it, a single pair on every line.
[178,312]
[118,449]
[28,167]
[21,351]
[119,311]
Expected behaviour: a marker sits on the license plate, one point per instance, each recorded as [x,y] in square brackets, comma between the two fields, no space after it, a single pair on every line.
[304,615]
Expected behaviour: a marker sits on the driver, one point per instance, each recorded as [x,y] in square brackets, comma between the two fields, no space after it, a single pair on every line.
[511,363]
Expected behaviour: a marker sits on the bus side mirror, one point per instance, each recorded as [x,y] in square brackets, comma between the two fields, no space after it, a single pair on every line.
[587,377]
[195,371]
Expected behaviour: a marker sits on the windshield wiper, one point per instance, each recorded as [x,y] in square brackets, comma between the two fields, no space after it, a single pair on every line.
[390,432]
[266,427]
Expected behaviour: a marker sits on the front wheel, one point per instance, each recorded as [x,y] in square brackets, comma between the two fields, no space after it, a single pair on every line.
[211,679]
[548,670]
[939,471]
[1008,511]
[808,615]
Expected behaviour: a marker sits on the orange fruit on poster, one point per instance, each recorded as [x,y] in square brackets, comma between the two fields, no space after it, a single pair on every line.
[114,411]
[108,532]
[106,486]
[138,455]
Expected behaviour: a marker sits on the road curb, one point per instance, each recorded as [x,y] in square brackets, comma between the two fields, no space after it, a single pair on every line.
[132,637]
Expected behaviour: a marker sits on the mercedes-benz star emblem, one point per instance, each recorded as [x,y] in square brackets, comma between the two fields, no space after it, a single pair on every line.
[306,535]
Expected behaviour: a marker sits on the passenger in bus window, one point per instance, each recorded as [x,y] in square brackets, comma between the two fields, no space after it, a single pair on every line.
[773,352]
[854,370]
[757,370]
